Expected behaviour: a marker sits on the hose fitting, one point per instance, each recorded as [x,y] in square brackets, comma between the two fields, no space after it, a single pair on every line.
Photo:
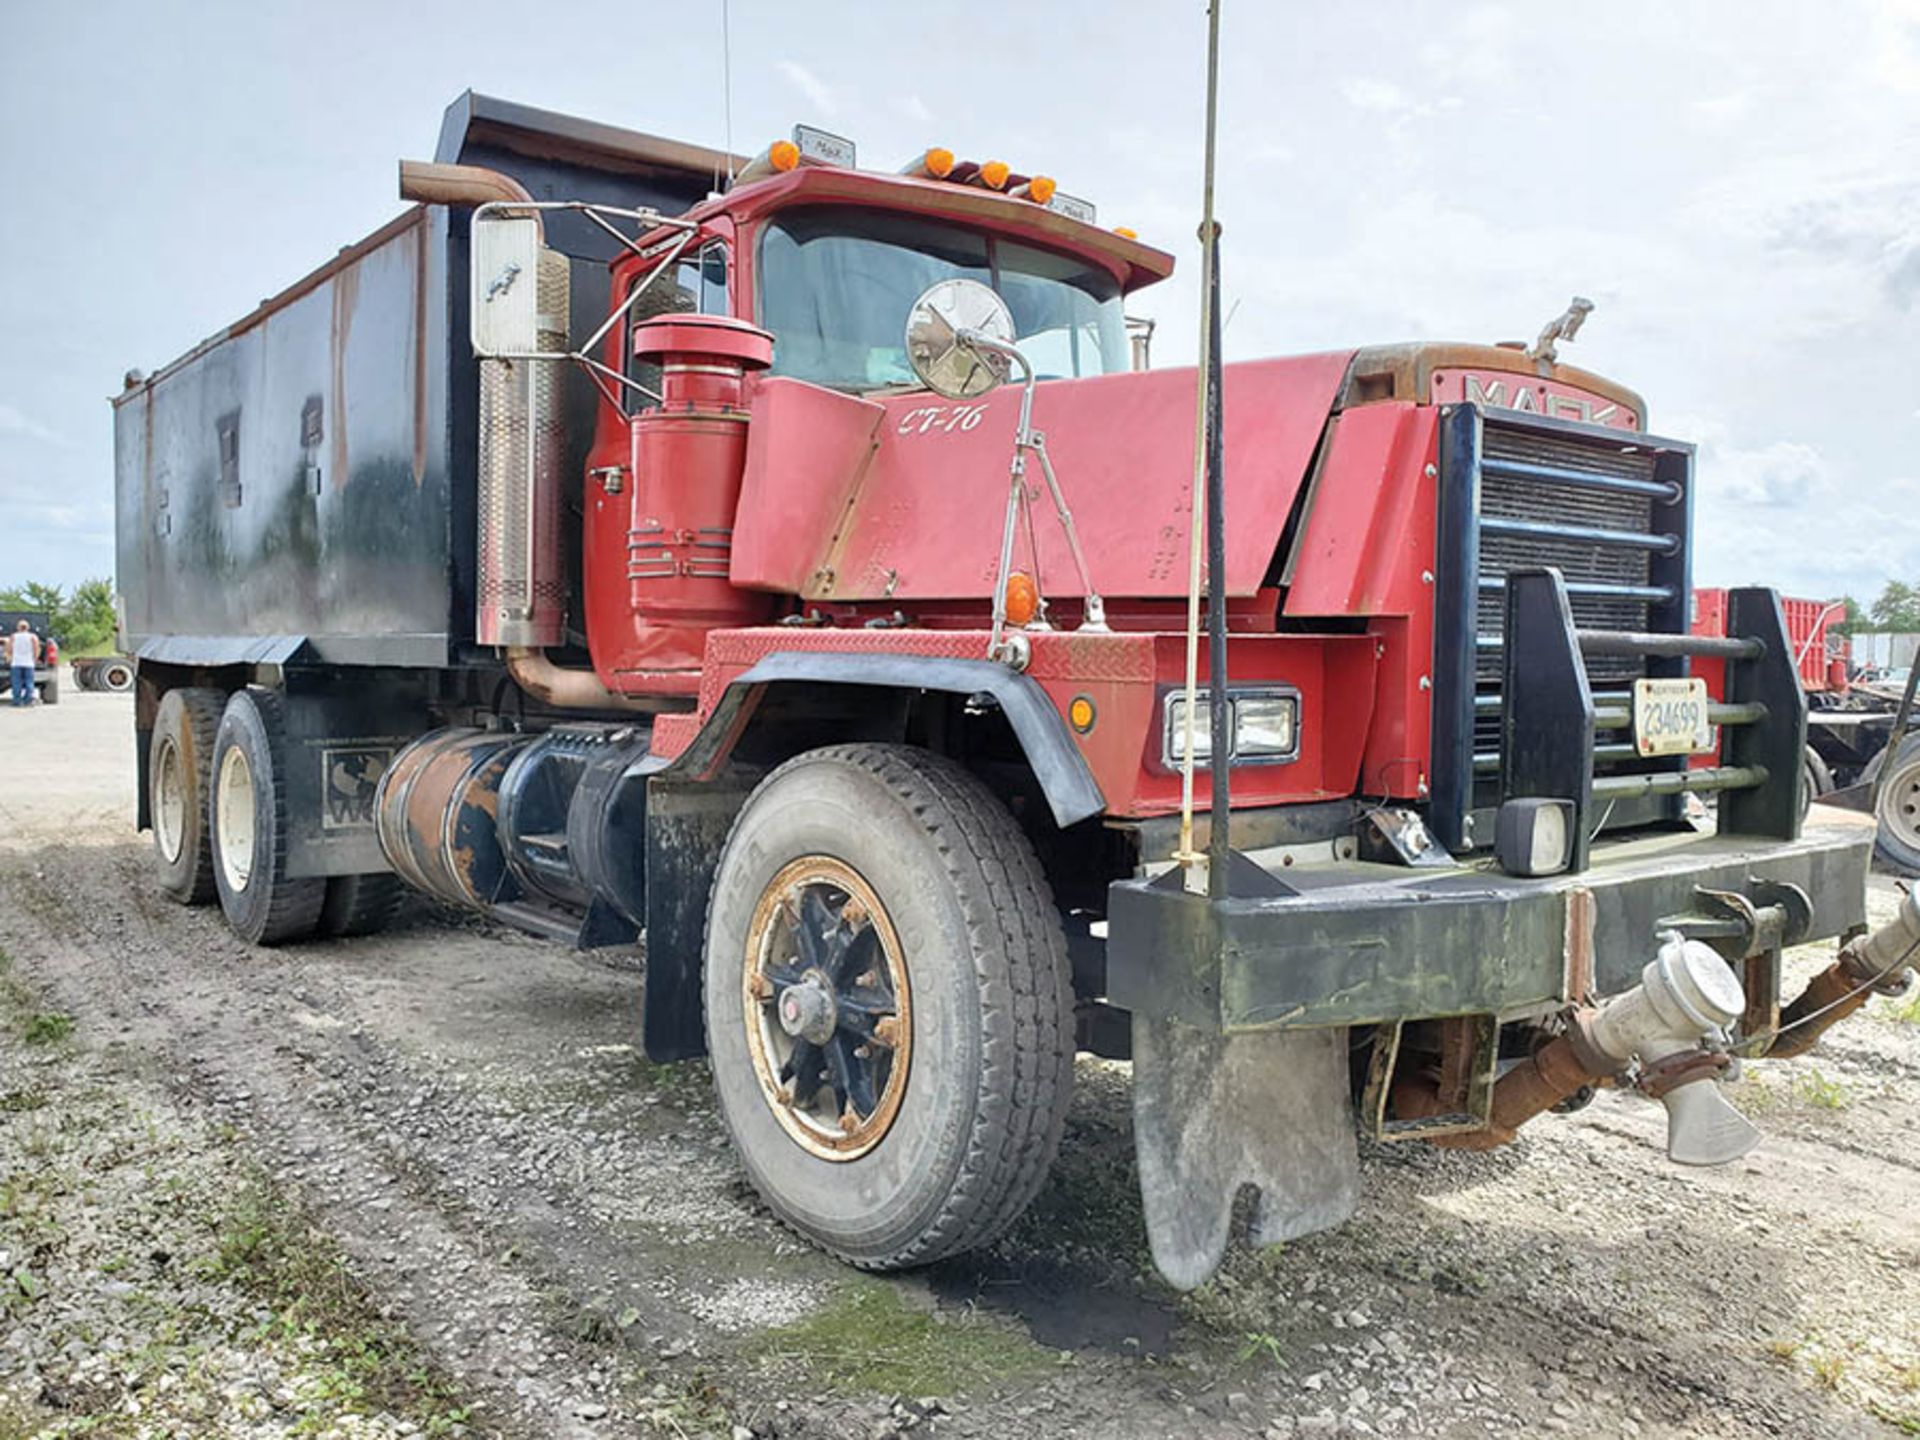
[1877,963]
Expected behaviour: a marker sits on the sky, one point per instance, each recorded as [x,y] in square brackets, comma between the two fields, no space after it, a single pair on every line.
[1735,183]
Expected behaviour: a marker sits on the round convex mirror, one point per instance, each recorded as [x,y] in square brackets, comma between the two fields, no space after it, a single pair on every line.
[945,364]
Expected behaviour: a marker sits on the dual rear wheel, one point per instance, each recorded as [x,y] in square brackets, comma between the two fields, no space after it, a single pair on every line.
[218,803]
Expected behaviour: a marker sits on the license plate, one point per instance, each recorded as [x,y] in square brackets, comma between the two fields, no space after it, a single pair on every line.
[1670,717]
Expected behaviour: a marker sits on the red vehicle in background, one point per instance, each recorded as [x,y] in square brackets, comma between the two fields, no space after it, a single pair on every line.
[1849,726]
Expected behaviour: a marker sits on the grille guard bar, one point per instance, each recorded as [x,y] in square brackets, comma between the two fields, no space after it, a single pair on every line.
[1550,719]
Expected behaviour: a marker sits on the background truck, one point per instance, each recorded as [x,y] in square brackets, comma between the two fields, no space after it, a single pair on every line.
[46,675]
[102,672]
[779,560]
[1850,723]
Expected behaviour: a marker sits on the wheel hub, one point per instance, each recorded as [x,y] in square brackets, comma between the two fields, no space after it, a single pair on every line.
[827,1008]
[1900,807]
[807,1009]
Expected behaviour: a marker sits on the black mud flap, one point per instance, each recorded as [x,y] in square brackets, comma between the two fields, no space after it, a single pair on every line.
[1214,1112]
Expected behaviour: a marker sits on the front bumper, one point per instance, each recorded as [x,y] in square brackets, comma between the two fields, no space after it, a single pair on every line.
[1367,943]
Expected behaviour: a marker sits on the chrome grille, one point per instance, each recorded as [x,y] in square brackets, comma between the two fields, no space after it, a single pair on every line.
[1538,498]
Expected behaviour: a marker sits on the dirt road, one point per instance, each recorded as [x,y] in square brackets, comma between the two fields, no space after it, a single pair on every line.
[560,1225]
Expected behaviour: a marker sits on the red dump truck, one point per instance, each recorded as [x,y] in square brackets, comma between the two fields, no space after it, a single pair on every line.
[621,543]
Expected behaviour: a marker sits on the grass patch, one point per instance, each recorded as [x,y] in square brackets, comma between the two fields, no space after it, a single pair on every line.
[366,1363]
[1821,1093]
[1262,1345]
[871,1341]
[1904,1011]
[46,1027]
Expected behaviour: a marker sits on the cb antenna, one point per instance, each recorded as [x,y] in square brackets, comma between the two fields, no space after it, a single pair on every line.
[726,84]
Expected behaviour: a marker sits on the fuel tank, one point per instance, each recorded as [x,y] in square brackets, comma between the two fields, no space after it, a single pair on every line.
[545,832]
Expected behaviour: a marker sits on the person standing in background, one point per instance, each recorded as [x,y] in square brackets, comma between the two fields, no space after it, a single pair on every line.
[24,654]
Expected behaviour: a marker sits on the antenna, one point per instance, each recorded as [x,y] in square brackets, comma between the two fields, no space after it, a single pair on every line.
[726,83]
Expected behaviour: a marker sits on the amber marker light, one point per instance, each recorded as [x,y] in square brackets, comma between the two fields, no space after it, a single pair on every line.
[1023,598]
[1125,234]
[994,174]
[933,163]
[777,159]
[1039,189]
[1080,714]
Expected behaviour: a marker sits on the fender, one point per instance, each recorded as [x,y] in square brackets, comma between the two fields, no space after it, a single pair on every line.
[691,806]
[1071,791]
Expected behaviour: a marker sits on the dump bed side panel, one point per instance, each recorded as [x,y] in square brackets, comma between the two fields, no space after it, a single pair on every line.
[291,477]
[302,484]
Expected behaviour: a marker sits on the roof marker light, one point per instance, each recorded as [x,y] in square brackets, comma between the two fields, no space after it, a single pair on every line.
[1039,190]
[777,159]
[1126,234]
[993,174]
[933,163]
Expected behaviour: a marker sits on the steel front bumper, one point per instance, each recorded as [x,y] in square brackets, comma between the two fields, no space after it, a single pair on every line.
[1363,943]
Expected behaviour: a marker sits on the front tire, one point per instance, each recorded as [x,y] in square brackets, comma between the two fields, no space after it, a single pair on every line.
[888,1008]
[249,825]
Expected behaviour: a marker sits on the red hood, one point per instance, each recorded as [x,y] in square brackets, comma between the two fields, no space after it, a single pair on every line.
[902,497]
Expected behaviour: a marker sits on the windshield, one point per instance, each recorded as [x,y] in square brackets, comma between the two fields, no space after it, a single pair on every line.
[836,285]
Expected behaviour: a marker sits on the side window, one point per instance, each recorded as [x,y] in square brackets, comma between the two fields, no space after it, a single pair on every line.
[697,284]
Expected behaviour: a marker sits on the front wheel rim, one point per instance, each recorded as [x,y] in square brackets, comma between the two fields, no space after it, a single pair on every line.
[234,797]
[170,802]
[828,1008]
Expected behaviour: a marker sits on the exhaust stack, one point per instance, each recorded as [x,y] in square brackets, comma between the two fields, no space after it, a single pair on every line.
[520,593]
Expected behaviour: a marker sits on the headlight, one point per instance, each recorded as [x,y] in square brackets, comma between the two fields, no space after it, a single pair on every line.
[1265,727]
[1264,724]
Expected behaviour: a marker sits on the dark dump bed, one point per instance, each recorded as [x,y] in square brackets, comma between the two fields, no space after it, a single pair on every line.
[302,483]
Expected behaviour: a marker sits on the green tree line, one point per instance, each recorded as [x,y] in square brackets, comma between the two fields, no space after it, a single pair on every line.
[1897,608]
[81,619]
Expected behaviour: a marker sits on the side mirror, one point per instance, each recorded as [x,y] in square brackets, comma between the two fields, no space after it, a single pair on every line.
[504,314]
[940,327]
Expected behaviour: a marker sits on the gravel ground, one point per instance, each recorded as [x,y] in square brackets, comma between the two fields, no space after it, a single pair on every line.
[549,1234]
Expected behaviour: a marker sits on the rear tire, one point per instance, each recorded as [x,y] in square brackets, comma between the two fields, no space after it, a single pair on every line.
[179,764]
[1898,811]
[249,828]
[114,675]
[936,963]
[360,904]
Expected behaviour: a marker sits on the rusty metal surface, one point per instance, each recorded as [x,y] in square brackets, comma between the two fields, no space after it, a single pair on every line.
[1369,943]
[280,479]
[1407,372]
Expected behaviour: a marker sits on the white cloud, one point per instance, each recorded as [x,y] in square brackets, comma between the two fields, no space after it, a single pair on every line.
[1784,514]
[1382,95]
[14,421]
[1721,111]
[810,85]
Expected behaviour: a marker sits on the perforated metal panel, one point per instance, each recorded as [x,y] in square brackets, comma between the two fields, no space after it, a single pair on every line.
[521,591]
